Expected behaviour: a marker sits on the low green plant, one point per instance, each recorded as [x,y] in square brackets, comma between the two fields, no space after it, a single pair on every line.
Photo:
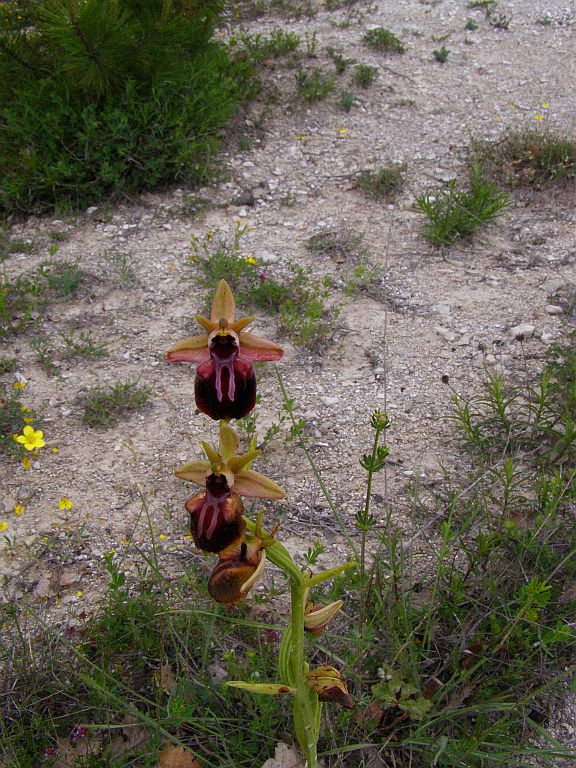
[278,44]
[471,25]
[384,183]
[346,101]
[485,5]
[341,243]
[106,406]
[119,267]
[365,279]
[82,344]
[383,40]
[22,301]
[454,213]
[314,85]
[527,157]
[365,75]
[7,364]
[341,62]
[46,356]
[64,279]
[441,54]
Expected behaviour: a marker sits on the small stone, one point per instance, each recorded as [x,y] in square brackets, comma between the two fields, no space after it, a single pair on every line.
[329,400]
[92,209]
[553,309]
[522,331]
[445,333]
[266,257]
[552,285]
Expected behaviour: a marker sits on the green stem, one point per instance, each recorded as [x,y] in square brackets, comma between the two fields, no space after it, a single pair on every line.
[306,707]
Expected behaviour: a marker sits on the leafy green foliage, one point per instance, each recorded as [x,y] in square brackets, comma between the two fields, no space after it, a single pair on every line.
[313,85]
[365,75]
[383,40]
[454,213]
[441,54]
[105,97]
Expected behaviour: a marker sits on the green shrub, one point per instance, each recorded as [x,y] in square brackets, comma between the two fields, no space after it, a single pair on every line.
[383,40]
[365,75]
[110,97]
[315,85]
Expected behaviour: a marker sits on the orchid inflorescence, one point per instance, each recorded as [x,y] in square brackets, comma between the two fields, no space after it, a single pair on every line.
[225,389]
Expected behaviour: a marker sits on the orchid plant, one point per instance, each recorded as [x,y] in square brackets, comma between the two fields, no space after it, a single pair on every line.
[225,389]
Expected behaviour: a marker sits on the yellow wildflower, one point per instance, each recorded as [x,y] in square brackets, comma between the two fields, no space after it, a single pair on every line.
[28,419]
[25,409]
[19,384]
[539,117]
[79,593]
[18,509]
[343,131]
[65,503]
[545,105]
[3,526]
[250,260]
[55,450]
[31,438]
[26,463]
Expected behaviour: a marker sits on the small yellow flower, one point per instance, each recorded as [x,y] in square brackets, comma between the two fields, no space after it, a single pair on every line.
[162,536]
[25,409]
[545,105]
[343,131]
[26,463]
[55,450]
[3,526]
[250,260]
[65,503]
[539,117]
[19,384]
[18,509]
[31,438]
[28,419]
[79,593]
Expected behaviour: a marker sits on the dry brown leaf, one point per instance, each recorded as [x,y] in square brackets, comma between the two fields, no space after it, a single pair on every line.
[72,755]
[133,736]
[165,678]
[177,757]
[284,757]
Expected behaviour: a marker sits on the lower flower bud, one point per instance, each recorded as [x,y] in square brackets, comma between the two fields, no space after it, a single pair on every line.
[328,684]
[216,515]
[236,573]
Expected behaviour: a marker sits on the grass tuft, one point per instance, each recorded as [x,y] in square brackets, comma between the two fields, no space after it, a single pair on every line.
[106,406]
[529,157]
[384,183]
[454,213]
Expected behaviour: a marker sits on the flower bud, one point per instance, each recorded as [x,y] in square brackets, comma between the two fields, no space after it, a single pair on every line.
[317,616]
[225,385]
[328,684]
[236,573]
[216,515]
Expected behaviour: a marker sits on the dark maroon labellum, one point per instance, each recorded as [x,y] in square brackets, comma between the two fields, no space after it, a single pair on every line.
[225,385]
[216,520]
